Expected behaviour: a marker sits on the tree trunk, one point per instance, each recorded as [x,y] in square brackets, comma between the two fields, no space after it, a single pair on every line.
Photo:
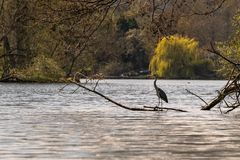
[22,37]
[9,61]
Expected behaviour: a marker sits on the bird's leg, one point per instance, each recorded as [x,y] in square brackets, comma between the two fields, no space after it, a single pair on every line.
[161,105]
[158,102]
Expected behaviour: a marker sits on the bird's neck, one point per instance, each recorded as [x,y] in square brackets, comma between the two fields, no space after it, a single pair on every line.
[155,82]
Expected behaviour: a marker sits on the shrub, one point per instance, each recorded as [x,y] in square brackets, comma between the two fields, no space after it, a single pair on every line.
[176,57]
[42,69]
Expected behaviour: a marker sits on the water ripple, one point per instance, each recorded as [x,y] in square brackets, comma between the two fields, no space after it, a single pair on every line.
[39,122]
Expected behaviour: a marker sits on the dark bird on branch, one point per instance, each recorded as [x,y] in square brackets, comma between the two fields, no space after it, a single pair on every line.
[160,93]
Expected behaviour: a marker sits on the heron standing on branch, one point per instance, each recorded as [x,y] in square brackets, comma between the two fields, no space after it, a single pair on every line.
[160,93]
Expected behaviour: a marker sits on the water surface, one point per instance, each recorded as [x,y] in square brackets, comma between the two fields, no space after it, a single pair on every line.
[39,122]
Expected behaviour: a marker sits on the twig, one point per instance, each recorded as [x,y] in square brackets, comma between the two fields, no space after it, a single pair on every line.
[226,103]
[63,87]
[220,109]
[233,107]
[96,85]
[230,77]
[75,90]
[197,96]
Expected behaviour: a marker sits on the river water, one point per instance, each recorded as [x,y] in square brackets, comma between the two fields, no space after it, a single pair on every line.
[37,121]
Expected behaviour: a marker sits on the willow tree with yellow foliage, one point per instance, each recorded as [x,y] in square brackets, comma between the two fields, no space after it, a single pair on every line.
[179,57]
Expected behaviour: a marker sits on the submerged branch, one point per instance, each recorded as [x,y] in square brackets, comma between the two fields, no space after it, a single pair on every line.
[165,108]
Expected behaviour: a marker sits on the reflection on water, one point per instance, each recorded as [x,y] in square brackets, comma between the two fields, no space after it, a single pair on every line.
[39,122]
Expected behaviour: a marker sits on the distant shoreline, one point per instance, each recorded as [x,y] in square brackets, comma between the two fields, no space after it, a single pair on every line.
[66,80]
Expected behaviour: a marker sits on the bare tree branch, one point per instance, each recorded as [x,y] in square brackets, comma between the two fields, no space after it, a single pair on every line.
[215,51]
[197,96]
[145,108]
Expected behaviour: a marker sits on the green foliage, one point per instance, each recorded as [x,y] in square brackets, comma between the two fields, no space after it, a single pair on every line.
[230,49]
[116,68]
[121,44]
[42,69]
[232,52]
[177,57]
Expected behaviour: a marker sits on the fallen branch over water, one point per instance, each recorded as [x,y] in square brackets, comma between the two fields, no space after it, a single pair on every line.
[229,95]
[145,108]
[231,88]
[231,92]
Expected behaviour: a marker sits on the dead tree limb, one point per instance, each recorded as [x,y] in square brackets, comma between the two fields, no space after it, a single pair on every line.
[221,96]
[145,108]
[164,108]
[197,96]
[231,87]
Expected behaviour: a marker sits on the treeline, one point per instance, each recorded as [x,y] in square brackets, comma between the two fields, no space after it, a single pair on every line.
[45,40]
